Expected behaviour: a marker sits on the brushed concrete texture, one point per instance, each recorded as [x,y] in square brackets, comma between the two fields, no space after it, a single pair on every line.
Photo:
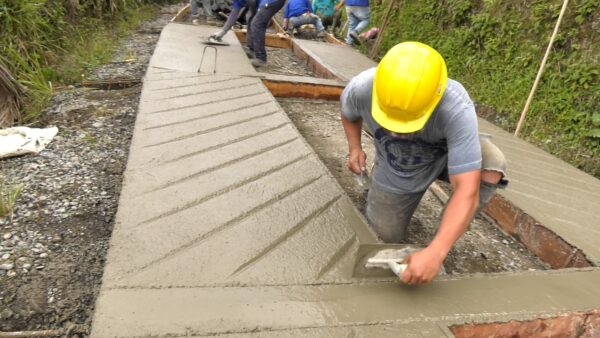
[180,48]
[206,311]
[177,89]
[343,61]
[208,202]
[558,195]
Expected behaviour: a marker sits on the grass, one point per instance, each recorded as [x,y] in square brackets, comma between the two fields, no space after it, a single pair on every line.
[9,194]
[494,49]
[43,50]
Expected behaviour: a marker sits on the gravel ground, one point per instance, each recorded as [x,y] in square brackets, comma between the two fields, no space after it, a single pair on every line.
[52,250]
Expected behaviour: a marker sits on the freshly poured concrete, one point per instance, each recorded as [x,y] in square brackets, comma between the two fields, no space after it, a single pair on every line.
[229,224]
[343,61]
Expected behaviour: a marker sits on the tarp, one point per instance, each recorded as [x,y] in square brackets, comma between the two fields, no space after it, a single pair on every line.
[24,140]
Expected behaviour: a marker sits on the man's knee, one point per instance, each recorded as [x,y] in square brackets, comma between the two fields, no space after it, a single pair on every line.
[493,172]
[493,162]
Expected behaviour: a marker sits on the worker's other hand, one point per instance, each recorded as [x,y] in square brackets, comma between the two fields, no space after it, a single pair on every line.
[357,160]
[422,267]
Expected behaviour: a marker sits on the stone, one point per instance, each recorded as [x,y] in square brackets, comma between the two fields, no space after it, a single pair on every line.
[6,266]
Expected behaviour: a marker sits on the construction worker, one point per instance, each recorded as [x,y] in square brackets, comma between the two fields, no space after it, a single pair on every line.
[424,127]
[298,13]
[236,8]
[326,10]
[258,30]
[359,15]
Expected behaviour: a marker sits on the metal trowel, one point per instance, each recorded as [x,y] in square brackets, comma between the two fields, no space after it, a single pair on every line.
[382,260]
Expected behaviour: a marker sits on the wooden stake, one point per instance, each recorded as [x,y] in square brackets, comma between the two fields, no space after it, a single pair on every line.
[384,23]
[541,70]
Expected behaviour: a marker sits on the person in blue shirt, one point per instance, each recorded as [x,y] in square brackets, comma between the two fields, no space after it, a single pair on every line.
[359,14]
[236,8]
[326,10]
[258,29]
[298,13]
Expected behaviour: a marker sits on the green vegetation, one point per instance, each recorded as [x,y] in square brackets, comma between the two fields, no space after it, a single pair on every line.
[47,43]
[495,47]
[8,197]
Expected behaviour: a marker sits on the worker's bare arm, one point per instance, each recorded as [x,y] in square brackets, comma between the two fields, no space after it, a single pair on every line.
[356,156]
[425,264]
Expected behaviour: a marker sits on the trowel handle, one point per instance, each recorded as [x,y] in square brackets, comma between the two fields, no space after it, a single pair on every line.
[397,268]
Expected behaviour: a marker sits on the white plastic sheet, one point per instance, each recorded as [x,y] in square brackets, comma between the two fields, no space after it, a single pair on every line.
[24,140]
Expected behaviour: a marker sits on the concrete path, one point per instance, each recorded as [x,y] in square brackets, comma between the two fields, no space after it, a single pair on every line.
[229,224]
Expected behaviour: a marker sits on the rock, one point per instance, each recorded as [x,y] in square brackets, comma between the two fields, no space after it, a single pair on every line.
[6,256]
[6,313]
[7,235]
[6,266]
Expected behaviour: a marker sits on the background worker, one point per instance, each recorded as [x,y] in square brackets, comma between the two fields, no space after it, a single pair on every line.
[326,10]
[236,8]
[266,10]
[424,128]
[207,5]
[298,13]
[359,14]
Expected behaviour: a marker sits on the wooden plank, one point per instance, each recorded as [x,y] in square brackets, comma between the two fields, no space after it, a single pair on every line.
[384,23]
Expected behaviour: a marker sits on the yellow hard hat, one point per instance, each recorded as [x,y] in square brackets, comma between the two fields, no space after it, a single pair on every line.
[409,82]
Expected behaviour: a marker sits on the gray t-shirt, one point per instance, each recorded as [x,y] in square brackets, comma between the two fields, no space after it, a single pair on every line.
[450,138]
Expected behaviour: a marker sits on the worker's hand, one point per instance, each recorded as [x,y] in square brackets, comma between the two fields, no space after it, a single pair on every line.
[357,161]
[422,267]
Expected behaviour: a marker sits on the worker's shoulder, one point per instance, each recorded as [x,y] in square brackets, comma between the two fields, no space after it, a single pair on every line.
[366,76]
[456,95]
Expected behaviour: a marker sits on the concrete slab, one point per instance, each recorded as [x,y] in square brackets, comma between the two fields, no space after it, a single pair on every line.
[213,311]
[343,61]
[180,48]
[229,224]
[556,194]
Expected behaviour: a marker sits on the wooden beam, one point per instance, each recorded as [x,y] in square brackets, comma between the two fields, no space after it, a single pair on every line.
[303,90]
[180,16]
[271,40]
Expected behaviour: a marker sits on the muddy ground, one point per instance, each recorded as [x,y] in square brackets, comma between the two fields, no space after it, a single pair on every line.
[53,249]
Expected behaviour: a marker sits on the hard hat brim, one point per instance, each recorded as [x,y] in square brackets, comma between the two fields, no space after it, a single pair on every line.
[392,123]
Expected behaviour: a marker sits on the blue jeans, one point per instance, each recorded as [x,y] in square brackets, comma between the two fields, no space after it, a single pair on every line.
[259,25]
[311,19]
[251,5]
[358,20]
